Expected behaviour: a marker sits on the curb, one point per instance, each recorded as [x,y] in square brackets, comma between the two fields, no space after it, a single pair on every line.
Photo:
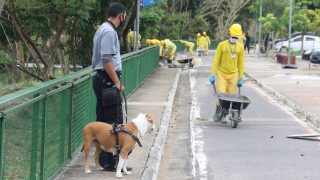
[152,165]
[308,117]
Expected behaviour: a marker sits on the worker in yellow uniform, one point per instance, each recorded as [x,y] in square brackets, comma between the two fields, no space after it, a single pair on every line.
[201,44]
[207,43]
[228,64]
[198,37]
[169,50]
[131,37]
[155,42]
[188,45]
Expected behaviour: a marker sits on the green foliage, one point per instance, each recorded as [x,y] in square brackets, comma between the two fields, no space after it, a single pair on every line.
[159,22]
[150,21]
[6,58]
[314,16]
[269,23]
[300,21]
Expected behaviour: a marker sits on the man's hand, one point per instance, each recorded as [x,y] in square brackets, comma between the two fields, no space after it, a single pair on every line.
[120,87]
[240,82]
[212,80]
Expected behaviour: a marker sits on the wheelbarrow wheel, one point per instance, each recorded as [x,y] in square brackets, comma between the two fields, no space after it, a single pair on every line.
[234,124]
[235,119]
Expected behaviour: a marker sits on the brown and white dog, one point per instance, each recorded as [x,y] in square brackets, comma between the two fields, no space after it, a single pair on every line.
[101,134]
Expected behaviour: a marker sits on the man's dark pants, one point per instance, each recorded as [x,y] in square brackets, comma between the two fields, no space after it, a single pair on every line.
[110,114]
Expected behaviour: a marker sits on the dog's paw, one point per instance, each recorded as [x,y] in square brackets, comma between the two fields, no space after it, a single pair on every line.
[119,175]
[88,171]
[127,172]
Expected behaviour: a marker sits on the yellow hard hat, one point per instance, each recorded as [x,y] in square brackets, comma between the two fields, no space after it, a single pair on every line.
[235,30]
[198,34]
[204,33]
[148,41]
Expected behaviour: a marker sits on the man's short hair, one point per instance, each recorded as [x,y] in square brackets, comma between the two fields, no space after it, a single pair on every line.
[115,9]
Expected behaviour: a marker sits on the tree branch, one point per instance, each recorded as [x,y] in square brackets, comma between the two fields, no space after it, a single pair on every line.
[25,70]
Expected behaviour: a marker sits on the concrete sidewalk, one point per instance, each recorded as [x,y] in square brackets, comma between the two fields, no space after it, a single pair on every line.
[152,97]
[298,88]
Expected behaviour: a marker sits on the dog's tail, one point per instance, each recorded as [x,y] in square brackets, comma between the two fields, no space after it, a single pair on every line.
[82,148]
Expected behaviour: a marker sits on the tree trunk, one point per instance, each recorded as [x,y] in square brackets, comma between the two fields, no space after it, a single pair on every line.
[63,61]
[129,24]
[56,42]
[32,48]
[1,5]
[20,54]
[73,45]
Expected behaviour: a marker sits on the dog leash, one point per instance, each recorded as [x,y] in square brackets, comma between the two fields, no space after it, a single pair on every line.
[125,102]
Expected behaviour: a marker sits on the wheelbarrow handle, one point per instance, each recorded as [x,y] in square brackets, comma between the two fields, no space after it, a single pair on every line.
[214,88]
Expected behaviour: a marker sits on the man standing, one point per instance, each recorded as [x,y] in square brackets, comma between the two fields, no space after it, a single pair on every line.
[228,64]
[207,43]
[106,61]
[247,45]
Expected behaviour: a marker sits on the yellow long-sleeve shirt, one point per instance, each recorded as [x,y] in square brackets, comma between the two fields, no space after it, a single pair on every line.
[187,43]
[223,60]
[202,42]
[131,37]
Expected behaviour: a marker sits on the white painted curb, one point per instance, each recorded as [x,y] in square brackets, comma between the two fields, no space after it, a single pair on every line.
[152,166]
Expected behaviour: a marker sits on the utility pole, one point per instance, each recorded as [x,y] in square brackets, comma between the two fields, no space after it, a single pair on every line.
[136,33]
[289,65]
[259,39]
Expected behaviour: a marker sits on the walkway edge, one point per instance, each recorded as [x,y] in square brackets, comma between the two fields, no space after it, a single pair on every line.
[311,119]
[152,165]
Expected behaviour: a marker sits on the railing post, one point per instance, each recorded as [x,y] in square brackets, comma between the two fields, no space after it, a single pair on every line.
[1,144]
[70,122]
[34,139]
[43,136]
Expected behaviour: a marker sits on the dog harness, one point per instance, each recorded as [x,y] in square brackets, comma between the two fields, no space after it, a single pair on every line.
[120,128]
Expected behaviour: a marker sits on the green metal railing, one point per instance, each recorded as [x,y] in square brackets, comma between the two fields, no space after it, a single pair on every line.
[41,127]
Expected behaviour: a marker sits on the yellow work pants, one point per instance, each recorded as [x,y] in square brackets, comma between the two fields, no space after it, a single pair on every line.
[206,49]
[172,53]
[227,83]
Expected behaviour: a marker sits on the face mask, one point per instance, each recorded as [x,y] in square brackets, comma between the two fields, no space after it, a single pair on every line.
[233,40]
[122,20]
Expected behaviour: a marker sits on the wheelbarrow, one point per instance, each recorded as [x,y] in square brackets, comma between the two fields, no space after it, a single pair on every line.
[184,59]
[230,106]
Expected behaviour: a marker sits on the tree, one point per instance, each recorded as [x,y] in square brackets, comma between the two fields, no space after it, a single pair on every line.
[270,25]
[1,5]
[224,12]
[300,23]
[314,16]
[49,32]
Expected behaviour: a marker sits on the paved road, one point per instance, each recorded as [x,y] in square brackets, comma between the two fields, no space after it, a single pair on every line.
[257,149]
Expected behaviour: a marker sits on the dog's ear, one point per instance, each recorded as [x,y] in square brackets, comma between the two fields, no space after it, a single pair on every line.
[150,118]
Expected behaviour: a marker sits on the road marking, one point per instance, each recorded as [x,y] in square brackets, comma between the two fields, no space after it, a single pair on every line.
[199,158]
